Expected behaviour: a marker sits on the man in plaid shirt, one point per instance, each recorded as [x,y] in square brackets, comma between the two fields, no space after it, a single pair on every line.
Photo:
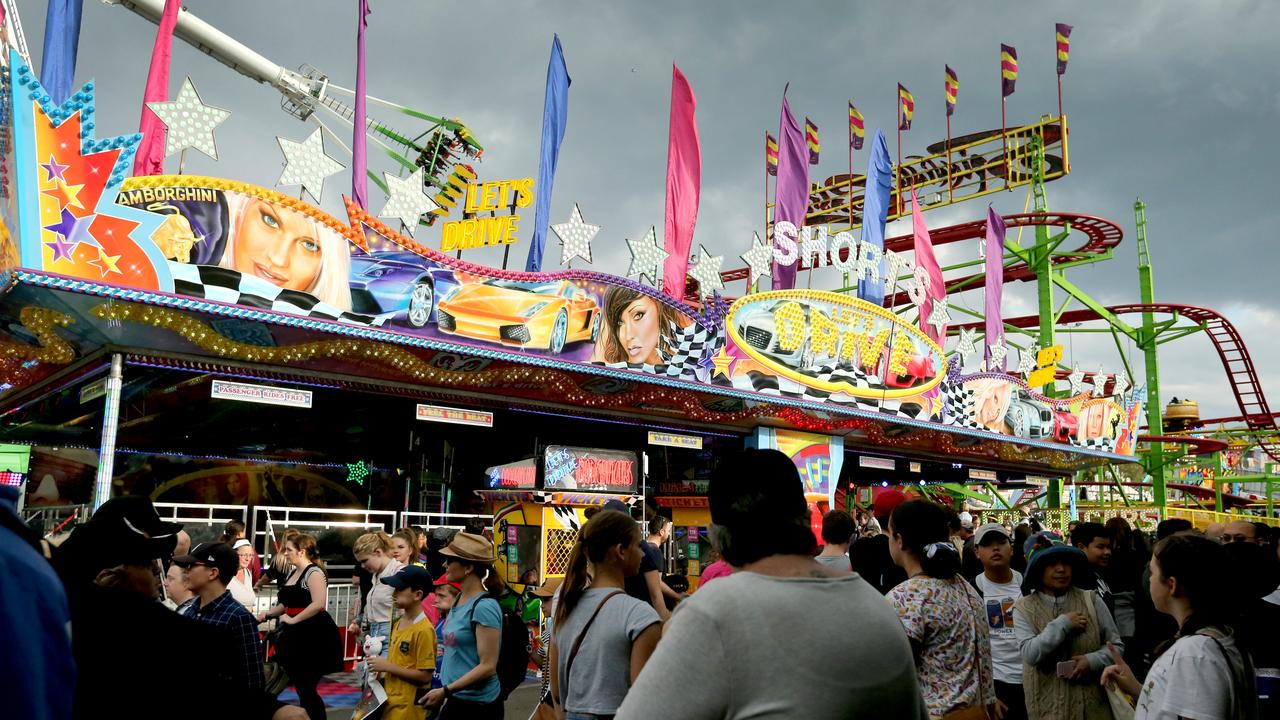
[209,566]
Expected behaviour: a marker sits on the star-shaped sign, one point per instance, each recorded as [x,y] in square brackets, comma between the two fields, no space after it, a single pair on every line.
[707,271]
[647,258]
[106,264]
[406,200]
[61,248]
[939,317]
[575,237]
[1076,378]
[306,164]
[968,344]
[188,122]
[723,363]
[997,351]
[1027,360]
[1122,383]
[54,170]
[759,257]
[65,225]
[1099,383]
[65,195]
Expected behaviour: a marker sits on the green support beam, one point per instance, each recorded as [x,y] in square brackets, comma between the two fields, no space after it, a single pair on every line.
[1147,341]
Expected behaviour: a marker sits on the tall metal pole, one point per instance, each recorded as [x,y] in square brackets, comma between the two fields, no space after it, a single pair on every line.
[1043,268]
[110,422]
[1155,464]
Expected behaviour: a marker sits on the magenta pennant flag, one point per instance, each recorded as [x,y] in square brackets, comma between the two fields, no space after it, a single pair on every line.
[791,192]
[925,260]
[684,180]
[995,280]
[150,159]
[359,142]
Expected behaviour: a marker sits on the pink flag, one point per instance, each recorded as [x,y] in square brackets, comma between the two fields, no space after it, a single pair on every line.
[359,142]
[150,159]
[995,280]
[684,178]
[926,261]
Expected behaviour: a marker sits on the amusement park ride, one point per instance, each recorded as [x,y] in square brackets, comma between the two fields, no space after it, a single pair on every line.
[492,340]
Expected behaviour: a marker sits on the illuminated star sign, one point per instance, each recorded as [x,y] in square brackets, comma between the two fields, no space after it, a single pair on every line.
[759,257]
[306,164]
[723,363]
[647,258]
[406,200]
[1076,378]
[1122,383]
[1027,361]
[707,271]
[54,170]
[357,472]
[998,351]
[939,317]
[575,237]
[188,122]
[968,344]
[1099,383]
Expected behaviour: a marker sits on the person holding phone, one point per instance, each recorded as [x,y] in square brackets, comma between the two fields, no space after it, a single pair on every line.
[1062,630]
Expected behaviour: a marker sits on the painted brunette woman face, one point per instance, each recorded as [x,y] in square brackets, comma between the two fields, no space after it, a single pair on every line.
[277,245]
[639,329]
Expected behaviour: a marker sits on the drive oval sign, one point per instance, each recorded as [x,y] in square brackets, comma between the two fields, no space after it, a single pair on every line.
[835,344]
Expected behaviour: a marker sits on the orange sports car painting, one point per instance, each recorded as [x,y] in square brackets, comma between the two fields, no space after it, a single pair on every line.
[537,315]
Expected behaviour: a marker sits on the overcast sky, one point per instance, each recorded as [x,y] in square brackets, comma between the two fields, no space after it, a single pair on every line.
[1176,102]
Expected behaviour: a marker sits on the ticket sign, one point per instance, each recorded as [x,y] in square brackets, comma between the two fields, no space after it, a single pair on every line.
[454,416]
[573,468]
[264,394]
[692,442]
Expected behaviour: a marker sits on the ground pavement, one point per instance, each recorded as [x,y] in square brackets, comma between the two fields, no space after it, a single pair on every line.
[341,692]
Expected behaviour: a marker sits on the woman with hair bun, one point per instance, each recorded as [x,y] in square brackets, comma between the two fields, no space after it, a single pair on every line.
[373,552]
[945,618]
[784,636]
[601,632]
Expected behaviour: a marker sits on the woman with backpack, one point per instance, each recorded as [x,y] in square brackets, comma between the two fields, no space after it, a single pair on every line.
[472,636]
[602,637]
[1203,673]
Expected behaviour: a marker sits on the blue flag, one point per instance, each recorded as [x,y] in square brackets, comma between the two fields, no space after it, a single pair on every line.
[61,39]
[555,112]
[875,210]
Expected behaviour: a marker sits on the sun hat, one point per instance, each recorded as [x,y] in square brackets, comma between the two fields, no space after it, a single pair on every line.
[1041,556]
[548,588]
[471,548]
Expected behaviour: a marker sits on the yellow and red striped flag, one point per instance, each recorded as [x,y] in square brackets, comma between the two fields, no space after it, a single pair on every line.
[857,128]
[953,90]
[1063,32]
[1008,69]
[906,107]
[811,137]
[770,154]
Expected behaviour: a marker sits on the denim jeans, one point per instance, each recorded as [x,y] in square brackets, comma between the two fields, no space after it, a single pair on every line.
[383,629]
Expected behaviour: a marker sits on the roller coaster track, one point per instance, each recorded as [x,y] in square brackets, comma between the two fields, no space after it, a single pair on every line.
[1254,410]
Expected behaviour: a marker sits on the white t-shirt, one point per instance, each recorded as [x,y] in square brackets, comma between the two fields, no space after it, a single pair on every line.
[1191,679]
[379,606]
[999,599]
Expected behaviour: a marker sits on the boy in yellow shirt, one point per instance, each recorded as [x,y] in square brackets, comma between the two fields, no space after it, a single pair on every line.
[412,653]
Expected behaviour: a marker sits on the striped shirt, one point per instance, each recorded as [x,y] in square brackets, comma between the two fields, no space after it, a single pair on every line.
[242,630]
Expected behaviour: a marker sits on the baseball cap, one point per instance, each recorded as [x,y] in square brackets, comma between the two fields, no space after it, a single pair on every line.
[885,501]
[444,580]
[991,529]
[415,577]
[966,520]
[219,556]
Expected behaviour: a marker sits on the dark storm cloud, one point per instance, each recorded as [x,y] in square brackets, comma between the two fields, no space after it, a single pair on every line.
[1173,101]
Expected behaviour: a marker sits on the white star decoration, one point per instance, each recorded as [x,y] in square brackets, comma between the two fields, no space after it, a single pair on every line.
[306,164]
[968,344]
[707,271]
[575,237]
[1076,378]
[998,351]
[1099,382]
[1027,360]
[759,257]
[1122,383]
[939,316]
[189,122]
[406,200]
[647,258]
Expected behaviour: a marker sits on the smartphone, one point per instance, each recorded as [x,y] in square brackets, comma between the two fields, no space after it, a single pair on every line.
[1066,667]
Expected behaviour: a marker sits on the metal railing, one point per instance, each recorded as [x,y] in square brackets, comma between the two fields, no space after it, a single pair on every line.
[47,519]
[335,529]
[340,604]
[1204,518]
[204,523]
[431,520]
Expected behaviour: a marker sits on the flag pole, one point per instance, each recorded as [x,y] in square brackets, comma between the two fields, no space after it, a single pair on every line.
[950,197]
[897,171]
[1059,96]
[1004,138]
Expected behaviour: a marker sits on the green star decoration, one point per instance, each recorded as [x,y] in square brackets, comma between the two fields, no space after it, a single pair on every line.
[357,472]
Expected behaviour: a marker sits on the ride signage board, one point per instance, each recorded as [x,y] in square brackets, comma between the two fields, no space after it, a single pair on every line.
[574,468]
[489,196]
[264,394]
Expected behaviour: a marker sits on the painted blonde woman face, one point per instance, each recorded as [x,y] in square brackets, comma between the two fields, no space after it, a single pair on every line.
[278,245]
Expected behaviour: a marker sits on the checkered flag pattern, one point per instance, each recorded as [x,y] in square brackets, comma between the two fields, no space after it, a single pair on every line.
[1098,443]
[957,404]
[765,384]
[225,285]
[689,346]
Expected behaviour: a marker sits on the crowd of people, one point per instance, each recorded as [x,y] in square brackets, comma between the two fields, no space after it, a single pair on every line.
[908,610]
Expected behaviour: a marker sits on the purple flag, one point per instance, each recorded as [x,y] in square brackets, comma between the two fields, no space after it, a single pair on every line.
[791,193]
[359,153]
[995,280]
